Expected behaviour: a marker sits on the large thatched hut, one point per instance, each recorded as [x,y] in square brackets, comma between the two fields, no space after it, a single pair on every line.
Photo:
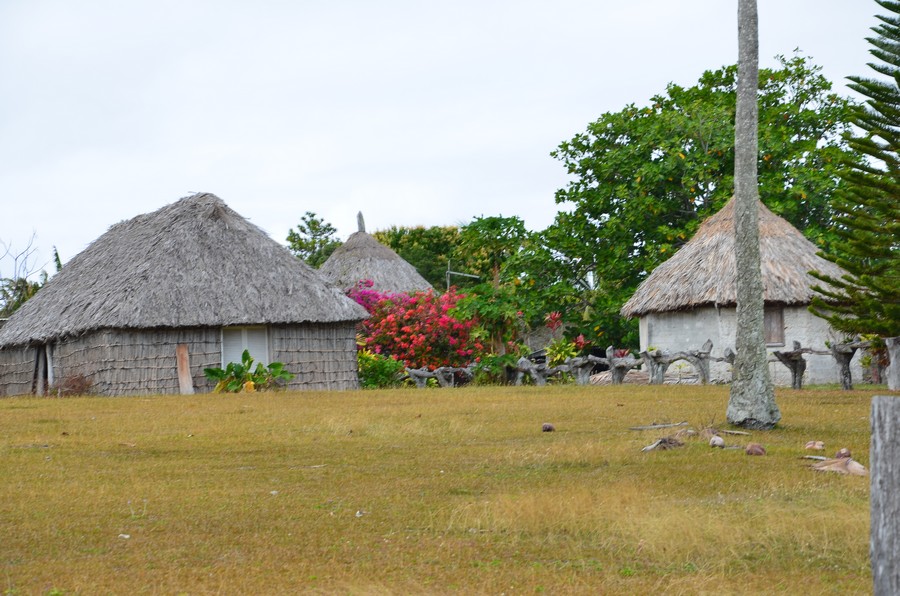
[158,298]
[692,297]
[363,257]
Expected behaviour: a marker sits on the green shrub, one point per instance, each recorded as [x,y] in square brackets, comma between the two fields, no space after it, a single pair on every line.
[379,372]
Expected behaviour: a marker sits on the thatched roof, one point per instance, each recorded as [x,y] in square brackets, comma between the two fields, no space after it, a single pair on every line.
[363,257]
[193,263]
[703,271]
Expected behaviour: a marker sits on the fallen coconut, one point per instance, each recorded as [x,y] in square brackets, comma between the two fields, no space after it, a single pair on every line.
[755,449]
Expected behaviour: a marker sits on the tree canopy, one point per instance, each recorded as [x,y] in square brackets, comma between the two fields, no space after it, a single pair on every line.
[426,249]
[644,177]
[867,226]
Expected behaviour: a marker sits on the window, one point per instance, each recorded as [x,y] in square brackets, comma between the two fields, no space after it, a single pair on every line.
[237,339]
[773,322]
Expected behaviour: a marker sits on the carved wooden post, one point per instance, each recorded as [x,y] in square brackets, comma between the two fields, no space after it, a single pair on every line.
[444,376]
[843,354]
[420,376]
[619,367]
[796,364]
[581,367]
[700,360]
[702,364]
[893,370]
[885,495]
[657,364]
[524,365]
[729,356]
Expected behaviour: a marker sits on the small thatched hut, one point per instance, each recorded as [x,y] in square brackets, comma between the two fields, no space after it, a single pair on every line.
[692,297]
[193,279]
[363,257]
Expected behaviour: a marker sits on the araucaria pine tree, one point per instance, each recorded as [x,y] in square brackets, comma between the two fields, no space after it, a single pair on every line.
[867,299]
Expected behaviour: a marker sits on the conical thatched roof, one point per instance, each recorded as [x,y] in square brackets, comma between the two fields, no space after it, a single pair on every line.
[363,257]
[703,271]
[193,263]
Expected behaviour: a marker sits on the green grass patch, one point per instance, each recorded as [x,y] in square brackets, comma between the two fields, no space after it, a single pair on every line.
[426,491]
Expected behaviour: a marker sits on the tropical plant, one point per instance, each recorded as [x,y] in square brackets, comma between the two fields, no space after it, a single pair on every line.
[241,376]
[560,350]
[498,314]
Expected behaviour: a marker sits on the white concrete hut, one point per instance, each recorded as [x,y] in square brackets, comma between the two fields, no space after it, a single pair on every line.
[158,298]
[692,297]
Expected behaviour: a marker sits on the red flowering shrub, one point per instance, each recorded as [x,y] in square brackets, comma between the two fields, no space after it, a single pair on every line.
[416,329]
[364,295]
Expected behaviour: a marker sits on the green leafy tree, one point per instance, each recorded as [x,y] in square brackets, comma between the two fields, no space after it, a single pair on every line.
[488,243]
[426,249]
[314,240]
[644,177]
[867,299]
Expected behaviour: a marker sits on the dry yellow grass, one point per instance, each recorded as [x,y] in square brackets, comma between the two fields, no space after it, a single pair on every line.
[426,491]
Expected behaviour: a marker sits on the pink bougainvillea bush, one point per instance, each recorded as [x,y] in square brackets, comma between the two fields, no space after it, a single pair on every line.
[417,329]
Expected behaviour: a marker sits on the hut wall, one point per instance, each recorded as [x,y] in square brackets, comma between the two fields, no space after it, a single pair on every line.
[687,330]
[16,370]
[136,362]
[322,356]
[139,362]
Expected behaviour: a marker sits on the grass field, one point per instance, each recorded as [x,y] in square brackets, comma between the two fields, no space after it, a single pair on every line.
[427,491]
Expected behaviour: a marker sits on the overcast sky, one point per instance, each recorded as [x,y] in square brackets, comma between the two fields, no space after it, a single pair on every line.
[414,112]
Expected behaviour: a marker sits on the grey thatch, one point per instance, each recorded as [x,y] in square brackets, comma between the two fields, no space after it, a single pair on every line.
[703,271]
[362,257]
[193,263]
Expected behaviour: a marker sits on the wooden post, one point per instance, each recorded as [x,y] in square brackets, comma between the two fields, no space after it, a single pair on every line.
[582,366]
[39,384]
[700,360]
[619,367]
[885,495]
[657,364]
[893,371]
[843,354]
[526,366]
[796,364]
[183,364]
[420,376]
